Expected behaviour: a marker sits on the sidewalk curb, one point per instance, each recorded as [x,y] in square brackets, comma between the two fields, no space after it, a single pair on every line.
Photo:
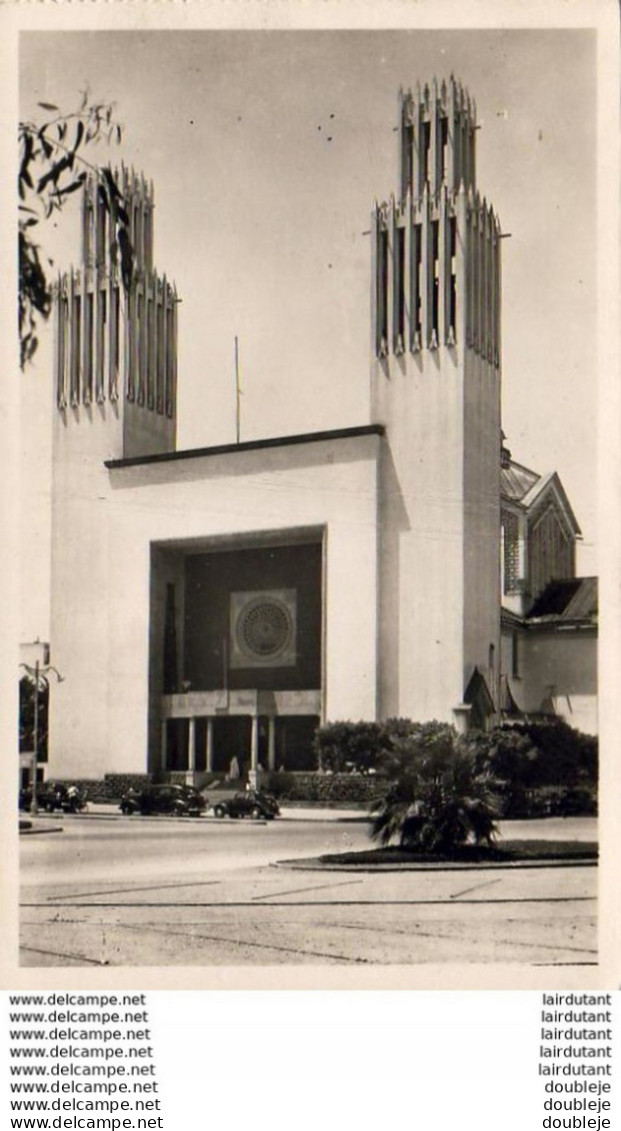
[39,831]
[433,866]
[284,817]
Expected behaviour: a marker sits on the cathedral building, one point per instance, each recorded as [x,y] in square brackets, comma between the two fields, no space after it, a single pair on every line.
[223,602]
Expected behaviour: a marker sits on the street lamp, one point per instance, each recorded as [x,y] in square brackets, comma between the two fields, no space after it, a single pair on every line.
[39,675]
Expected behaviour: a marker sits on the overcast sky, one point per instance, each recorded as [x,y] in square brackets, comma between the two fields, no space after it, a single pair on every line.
[261,221]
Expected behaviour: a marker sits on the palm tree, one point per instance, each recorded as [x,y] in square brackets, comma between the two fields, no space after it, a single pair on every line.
[435,799]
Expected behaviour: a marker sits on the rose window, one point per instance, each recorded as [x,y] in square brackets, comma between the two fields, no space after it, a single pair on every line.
[264,629]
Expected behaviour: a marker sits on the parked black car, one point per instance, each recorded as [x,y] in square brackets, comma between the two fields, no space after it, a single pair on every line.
[55,795]
[250,803]
[178,800]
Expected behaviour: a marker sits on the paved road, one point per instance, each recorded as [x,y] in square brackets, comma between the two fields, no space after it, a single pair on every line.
[136,891]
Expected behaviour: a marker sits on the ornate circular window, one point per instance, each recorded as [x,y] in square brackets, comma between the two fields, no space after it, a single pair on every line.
[264,628]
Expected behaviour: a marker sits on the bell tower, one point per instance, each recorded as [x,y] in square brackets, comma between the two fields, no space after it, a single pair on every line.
[115,380]
[116,334]
[435,385]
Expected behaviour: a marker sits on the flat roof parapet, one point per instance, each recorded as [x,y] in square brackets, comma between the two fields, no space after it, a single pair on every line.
[249,446]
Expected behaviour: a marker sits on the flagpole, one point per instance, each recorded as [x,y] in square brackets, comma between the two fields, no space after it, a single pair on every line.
[237,393]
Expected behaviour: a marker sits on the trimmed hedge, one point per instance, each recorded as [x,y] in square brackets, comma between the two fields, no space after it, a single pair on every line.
[323,789]
[115,785]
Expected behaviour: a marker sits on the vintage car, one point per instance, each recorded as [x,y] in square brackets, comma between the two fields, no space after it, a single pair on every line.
[177,800]
[250,803]
[55,795]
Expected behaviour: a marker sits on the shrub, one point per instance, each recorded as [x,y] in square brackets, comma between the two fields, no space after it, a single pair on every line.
[538,754]
[536,764]
[344,747]
[435,797]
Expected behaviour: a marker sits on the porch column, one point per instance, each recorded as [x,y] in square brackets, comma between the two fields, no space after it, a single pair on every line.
[271,743]
[164,747]
[254,744]
[209,747]
[191,743]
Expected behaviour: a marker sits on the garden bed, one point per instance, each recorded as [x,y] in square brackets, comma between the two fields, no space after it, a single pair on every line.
[512,854]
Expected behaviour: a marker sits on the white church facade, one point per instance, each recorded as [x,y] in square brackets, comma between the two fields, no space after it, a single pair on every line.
[225,601]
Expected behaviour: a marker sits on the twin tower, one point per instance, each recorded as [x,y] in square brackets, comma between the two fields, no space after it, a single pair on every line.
[436,244]
[435,386]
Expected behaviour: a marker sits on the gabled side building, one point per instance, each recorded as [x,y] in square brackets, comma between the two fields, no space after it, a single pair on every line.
[549,615]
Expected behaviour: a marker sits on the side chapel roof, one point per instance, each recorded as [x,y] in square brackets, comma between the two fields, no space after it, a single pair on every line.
[525,488]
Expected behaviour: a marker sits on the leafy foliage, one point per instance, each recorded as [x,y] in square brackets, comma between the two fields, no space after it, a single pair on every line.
[51,169]
[344,746]
[539,754]
[540,767]
[358,747]
[435,798]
